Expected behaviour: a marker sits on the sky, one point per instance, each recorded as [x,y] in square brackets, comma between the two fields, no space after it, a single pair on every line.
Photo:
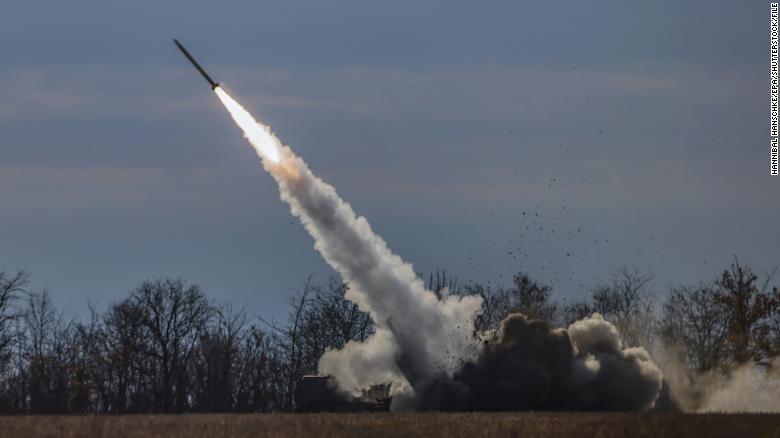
[562,139]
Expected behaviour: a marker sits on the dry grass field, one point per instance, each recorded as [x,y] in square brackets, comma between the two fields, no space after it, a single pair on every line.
[398,425]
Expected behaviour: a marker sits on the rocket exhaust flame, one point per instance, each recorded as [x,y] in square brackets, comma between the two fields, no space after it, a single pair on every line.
[259,135]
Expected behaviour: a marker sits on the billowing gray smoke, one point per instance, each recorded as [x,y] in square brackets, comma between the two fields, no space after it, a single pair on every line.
[425,346]
[528,365]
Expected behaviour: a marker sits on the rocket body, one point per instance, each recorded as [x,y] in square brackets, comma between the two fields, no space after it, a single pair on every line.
[197,66]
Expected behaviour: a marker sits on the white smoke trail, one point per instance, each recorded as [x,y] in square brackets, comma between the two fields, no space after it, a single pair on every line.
[431,335]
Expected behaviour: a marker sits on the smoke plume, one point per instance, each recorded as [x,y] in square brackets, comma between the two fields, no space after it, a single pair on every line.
[410,321]
[750,387]
[425,346]
[528,365]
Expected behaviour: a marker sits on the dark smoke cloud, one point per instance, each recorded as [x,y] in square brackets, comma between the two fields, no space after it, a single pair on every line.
[528,365]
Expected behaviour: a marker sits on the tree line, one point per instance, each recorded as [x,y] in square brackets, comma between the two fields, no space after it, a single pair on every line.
[168,348]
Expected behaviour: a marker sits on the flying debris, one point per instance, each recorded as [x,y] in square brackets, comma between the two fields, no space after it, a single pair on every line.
[205,75]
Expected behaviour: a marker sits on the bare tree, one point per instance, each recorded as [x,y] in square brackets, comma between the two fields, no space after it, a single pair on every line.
[215,360]
[50,354]
[576,311]
[627,302]
[531,298]
[85,364]
[10,288]
[440,282]
[693,319]
[172,316]
[771,345]
[261,373]
[335,319]
[749,308]
[121,376]
[525,296]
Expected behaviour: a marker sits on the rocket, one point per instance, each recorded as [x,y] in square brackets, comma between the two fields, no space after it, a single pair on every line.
[195,63]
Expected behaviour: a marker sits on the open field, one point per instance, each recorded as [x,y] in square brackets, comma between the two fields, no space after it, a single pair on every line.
[402,425]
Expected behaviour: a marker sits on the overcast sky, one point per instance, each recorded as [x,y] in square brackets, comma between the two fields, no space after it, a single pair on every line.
[564,139]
